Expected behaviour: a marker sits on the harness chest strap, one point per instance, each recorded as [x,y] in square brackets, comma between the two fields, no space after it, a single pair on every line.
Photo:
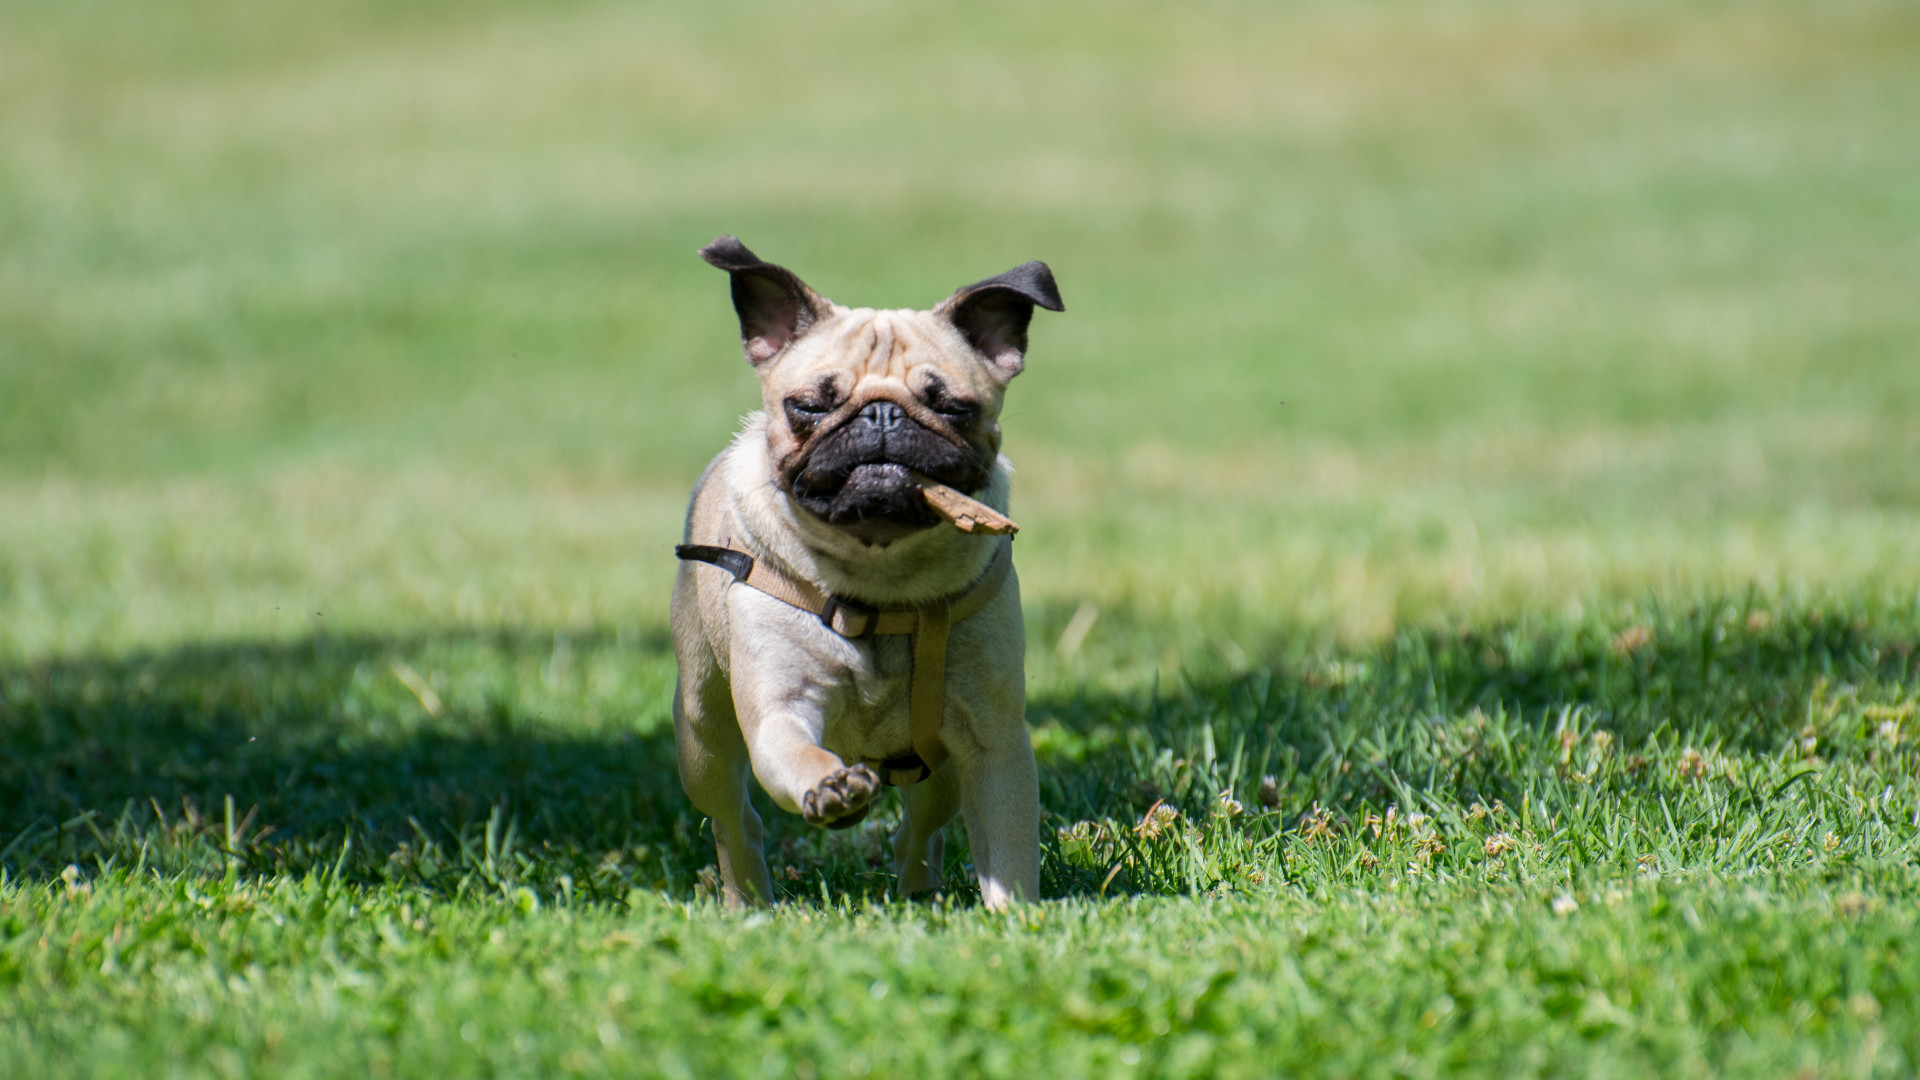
[927,624]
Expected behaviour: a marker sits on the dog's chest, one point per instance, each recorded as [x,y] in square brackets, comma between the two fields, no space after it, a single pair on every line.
[866,715]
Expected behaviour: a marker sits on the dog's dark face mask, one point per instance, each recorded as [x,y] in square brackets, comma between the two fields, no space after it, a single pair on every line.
[861,475]
[861,402]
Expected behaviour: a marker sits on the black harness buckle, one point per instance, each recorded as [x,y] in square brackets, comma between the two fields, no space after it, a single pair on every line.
[835,604]
[904,770]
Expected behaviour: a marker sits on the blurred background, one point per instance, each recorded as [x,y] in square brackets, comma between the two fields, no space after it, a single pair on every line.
[386,314]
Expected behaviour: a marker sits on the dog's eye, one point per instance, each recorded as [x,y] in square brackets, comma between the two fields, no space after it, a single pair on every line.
[955,410]
[803,411]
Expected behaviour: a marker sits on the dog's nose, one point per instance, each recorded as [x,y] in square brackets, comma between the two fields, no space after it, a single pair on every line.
[884,415]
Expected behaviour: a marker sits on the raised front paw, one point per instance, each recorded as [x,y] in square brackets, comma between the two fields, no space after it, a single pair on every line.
[841,800]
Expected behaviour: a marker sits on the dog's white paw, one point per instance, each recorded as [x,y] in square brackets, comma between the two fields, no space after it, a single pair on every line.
[842,799]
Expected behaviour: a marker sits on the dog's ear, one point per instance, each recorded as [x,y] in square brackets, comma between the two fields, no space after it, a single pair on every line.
[775,307]
[993,314]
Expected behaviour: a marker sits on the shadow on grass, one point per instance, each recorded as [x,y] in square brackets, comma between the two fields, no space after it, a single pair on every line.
[476,760]
[538,748]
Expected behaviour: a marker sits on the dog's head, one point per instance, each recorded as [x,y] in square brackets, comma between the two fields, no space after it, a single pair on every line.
[858,400]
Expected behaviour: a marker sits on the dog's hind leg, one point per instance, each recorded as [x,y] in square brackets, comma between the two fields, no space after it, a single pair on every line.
[919,845]
[713,768]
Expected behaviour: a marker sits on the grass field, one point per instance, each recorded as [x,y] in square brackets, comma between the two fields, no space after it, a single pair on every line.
[1474,493]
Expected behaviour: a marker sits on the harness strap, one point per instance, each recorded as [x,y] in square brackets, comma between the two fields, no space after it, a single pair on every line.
[927,692]
[927,624]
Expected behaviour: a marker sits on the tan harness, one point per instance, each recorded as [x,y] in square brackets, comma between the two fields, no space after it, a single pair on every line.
[926,624]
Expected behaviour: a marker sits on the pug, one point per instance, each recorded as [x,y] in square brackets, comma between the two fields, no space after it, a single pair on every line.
[836,629]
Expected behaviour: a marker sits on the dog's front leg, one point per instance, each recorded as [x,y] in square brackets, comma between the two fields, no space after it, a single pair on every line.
[1000,798]
[802,776]
[782,698]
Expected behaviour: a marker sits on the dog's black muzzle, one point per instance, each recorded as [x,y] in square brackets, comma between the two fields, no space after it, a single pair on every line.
[859,476]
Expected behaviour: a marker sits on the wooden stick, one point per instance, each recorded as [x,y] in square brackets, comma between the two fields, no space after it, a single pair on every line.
[967,514]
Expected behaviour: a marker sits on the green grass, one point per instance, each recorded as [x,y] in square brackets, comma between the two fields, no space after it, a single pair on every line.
[1530,847]
[1495,423]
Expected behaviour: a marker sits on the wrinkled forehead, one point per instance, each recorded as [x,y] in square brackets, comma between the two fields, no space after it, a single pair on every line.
[863,347]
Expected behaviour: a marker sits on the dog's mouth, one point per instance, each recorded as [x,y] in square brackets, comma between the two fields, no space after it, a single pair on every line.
[877,502]
[860,477]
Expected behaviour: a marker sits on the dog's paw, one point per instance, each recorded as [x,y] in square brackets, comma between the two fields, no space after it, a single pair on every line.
[842,799]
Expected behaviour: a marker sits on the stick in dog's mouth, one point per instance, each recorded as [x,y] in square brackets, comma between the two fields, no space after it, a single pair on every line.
[963,512]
